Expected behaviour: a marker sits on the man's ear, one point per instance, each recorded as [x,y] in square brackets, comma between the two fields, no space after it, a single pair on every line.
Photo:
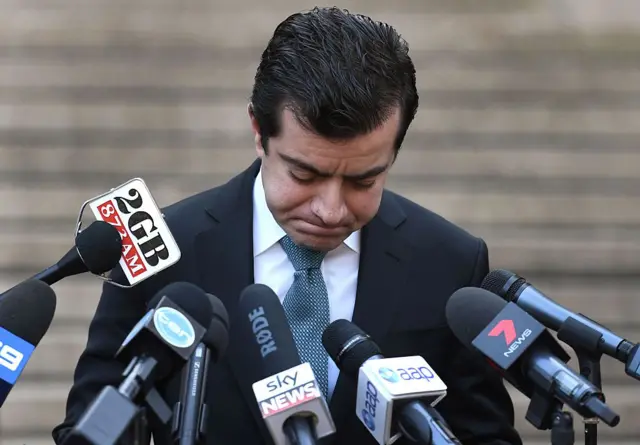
[257,139]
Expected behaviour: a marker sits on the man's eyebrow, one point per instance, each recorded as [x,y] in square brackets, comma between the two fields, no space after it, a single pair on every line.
[375,171]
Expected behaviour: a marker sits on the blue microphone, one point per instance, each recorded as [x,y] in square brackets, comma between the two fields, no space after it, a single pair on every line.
[26,312]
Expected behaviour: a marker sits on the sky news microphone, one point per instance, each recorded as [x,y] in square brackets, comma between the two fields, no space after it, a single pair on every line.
[288,395]
[396,396]
[519,345]
[158,346]
[26,312]
[97,250]
[190,412]
[514,288]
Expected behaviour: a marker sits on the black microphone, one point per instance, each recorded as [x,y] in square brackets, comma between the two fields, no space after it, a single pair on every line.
[190,412]
[97,249]
[574,329]
[395,395]
[288,395]
[26,312]
[524,350]
[157,347]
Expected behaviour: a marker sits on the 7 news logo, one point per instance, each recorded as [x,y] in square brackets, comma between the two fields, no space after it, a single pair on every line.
[508,336]
[508,329]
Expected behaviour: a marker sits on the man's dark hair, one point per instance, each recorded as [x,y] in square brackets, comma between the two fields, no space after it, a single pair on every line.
[341,74]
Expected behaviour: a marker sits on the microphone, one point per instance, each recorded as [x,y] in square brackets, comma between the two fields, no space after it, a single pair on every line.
[574,329]
[396,396]
[97,250]
[26,312]
[190,412]
[157,347]
[288,395]
[524,350]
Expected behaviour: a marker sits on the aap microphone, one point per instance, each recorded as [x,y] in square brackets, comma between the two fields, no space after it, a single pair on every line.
[288,395]
[395,395]
[574,329]
[524,350]
[26,312]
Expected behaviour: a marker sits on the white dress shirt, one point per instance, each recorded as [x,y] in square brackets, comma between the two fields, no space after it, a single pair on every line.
[272,267]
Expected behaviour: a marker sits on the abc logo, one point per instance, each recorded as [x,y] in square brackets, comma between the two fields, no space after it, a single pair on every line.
[406,374]
[389,375]
[174,327]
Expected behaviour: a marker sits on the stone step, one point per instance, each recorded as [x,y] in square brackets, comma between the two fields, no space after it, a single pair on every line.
[463,203]
[414,161]
[432,6]
[246,27]
[250,25]
[232,118]
[235,71]
[49,400]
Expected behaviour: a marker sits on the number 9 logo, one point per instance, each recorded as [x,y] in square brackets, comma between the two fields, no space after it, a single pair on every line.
[10,358]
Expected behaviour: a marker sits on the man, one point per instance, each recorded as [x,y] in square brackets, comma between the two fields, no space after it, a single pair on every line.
[333,98]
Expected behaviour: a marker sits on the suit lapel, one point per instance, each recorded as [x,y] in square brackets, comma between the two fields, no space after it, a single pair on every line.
[380,278]
[225,264]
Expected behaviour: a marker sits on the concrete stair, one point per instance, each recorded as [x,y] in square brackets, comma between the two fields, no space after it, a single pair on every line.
[527,135]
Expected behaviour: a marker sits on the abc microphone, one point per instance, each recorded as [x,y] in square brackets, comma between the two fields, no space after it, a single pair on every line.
[157,347]
[97,250]
[26,312]
[396,396]
[288,395]
[525,352]
[190,412]
[514,288]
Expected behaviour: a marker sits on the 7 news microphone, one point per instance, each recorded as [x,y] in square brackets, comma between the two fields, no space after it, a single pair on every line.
[515,289]
[524,351]
[190,412]
[396,396]
[157,347]
[288,395]
[26,312]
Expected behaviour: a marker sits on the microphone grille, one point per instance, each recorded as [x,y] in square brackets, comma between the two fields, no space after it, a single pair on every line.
[100,247]
[503,283]
[348,346]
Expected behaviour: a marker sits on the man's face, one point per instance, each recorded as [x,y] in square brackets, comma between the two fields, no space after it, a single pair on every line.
[320,191]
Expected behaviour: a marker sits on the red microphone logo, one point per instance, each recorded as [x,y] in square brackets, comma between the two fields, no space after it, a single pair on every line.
[507,328]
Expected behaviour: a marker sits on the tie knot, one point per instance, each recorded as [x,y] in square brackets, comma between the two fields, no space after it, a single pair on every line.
[301,257]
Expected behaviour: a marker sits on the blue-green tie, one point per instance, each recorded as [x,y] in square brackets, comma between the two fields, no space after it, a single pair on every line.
[307,307]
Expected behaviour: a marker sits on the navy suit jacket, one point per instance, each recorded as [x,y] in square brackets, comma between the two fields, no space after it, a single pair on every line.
[411,262]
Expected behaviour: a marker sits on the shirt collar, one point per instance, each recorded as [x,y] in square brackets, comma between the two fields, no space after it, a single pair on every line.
[267,232]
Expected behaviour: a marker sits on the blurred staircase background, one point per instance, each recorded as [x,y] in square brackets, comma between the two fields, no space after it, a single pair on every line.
[528,134]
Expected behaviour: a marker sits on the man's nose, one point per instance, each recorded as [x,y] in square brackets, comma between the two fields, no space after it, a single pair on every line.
[330,206]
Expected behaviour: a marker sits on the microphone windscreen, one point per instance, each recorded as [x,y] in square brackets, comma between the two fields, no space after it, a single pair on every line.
[27,310]
[190,298]
[262,327]
[470,310]
[348,346]
[217,336]
[100,247]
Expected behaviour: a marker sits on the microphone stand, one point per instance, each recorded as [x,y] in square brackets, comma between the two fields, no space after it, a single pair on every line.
[584,341]
[562,430]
